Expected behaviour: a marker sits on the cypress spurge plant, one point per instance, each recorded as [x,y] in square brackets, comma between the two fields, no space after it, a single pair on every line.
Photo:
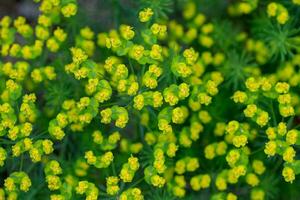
[178,100]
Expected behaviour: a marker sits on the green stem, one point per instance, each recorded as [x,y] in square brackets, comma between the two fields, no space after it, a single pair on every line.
[21,164]
[273,114]
[113,168]
[137,182]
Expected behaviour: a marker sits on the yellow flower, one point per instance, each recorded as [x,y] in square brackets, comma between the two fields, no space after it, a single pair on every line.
[284,99]
[297,2]
[288,174]
[78,55]
[231,196]
[180,167]
[286,110]
[145,15]
[179,191]
[204,98]
[282,128]
[232,157]
[257,194]
[50,73]
[240,140]
[150,138]
[122,120]
[53,182]
[206,41]
[156,52]
[107,158]
[9,184]
[263,118]
[271,133]
[53,167]
[283,17]
[82,187]
[183,70]
[3,155]
[209,152]
[25,183]
[251,110]
[69,10]
[192,164]
[190,55]
[179,114]
[136,52]
[292,136]
[59,34]
[232,127]
[221,183]
[5,21]
[57,197]
[133,163]
[172,148]
[101,39]
[189,10]
[289,154]
[200,181]
[252,84]
[204,116]
[199,19]
[270,148]
[87,33]
[90,157]
[272,9]
[106,116]
[112,187]
[164,126]
[133,193]
[282,87]
[252,179]
[158,181]
[126,32]
[113,43]
[220,129]
[221,148]
[159,30]
[47,146]
[52,45]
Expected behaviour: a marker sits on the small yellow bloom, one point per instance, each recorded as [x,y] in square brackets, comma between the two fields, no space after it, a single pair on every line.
[145,15]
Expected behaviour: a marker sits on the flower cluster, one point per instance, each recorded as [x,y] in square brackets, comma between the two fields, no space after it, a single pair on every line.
[203,104]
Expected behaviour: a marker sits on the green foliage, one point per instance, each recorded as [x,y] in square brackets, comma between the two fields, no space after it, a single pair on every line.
[283,41]
[160,99]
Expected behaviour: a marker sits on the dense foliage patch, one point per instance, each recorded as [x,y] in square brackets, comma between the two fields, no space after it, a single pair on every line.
[182,99]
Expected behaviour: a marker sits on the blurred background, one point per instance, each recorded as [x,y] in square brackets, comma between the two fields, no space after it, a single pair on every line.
[102,15]
[99,13]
